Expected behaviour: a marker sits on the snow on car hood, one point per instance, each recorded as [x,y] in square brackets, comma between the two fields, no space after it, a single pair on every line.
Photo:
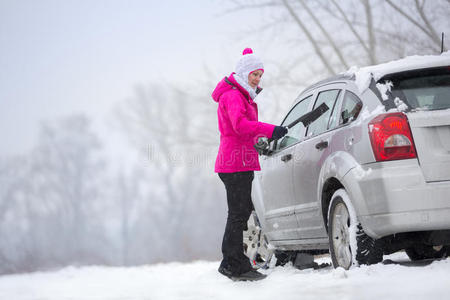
[364,75]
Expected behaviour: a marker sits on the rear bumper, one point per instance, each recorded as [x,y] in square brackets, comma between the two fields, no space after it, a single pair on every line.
[393,197]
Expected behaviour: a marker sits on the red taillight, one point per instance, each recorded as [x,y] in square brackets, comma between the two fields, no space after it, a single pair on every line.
[391,137]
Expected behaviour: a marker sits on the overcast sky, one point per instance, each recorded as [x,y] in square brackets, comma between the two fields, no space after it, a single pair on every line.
[63,57]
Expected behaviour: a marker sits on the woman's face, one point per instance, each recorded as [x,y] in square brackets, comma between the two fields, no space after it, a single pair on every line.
[254,78]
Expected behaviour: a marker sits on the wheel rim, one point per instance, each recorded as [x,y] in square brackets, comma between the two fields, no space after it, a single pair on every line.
[255,244]
[341,236]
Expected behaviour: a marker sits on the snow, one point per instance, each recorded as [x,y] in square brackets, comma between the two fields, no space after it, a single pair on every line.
[401,106]
[363,75]
[384,88]
[200,280]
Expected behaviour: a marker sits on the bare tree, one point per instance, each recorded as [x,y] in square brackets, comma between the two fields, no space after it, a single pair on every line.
[345,33]
[424,24]
[52,206]
[308,34]
[13,190]
[175,125]
[325,33]
[370,50]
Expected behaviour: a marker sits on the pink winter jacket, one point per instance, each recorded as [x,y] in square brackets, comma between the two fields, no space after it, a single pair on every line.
[239,128]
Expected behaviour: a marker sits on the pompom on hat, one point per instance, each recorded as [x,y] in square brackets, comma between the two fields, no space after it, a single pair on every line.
[248,63]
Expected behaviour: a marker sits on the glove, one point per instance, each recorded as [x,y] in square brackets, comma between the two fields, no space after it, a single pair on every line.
[279,132]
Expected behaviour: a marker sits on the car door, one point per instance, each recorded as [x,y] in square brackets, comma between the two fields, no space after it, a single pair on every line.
[276,178]
[310,154]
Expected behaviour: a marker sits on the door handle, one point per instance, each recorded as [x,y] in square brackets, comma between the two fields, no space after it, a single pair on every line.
[286,157]
[322,145]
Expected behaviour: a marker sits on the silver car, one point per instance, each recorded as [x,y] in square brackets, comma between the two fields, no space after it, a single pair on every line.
[370,176]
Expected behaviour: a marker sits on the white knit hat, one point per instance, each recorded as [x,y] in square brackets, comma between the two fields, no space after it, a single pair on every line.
[248,63]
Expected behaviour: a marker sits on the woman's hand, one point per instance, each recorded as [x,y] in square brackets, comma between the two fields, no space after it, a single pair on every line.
[279,132]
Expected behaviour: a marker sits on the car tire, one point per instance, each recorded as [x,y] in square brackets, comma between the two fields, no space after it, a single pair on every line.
[349,244]
[256,247]
[421,251]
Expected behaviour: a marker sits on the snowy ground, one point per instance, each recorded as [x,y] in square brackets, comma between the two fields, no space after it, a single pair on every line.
[200,280]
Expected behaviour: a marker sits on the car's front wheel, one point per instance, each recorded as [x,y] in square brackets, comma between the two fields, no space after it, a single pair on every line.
[349,244]
[256,247]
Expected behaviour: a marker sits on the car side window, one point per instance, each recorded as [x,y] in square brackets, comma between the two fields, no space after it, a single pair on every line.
[350,108]
[295,133]
[321,124]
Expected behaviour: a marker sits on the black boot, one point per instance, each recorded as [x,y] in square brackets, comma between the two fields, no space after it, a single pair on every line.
[251,275]
[224,271]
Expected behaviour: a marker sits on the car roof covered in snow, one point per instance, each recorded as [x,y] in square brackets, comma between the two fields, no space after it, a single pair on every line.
[363,76]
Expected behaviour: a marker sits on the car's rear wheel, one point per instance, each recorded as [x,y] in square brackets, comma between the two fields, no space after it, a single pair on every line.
[419,252]
[349,244]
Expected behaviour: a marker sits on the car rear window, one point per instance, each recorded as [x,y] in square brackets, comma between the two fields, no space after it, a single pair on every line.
[427,92]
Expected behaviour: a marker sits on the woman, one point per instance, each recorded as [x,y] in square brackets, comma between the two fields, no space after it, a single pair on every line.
[237,158]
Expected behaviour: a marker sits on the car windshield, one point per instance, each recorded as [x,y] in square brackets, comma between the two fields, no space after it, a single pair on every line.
[430,92]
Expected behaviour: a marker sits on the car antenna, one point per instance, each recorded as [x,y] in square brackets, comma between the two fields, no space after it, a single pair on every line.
[442,43]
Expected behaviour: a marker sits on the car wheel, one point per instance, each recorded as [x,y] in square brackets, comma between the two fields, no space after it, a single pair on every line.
[419,252]
[256,247]
[349,244]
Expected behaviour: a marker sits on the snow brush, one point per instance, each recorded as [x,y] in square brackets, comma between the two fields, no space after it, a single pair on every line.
[263,146]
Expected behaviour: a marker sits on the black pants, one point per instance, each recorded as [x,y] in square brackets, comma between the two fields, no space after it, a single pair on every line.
[240,206]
